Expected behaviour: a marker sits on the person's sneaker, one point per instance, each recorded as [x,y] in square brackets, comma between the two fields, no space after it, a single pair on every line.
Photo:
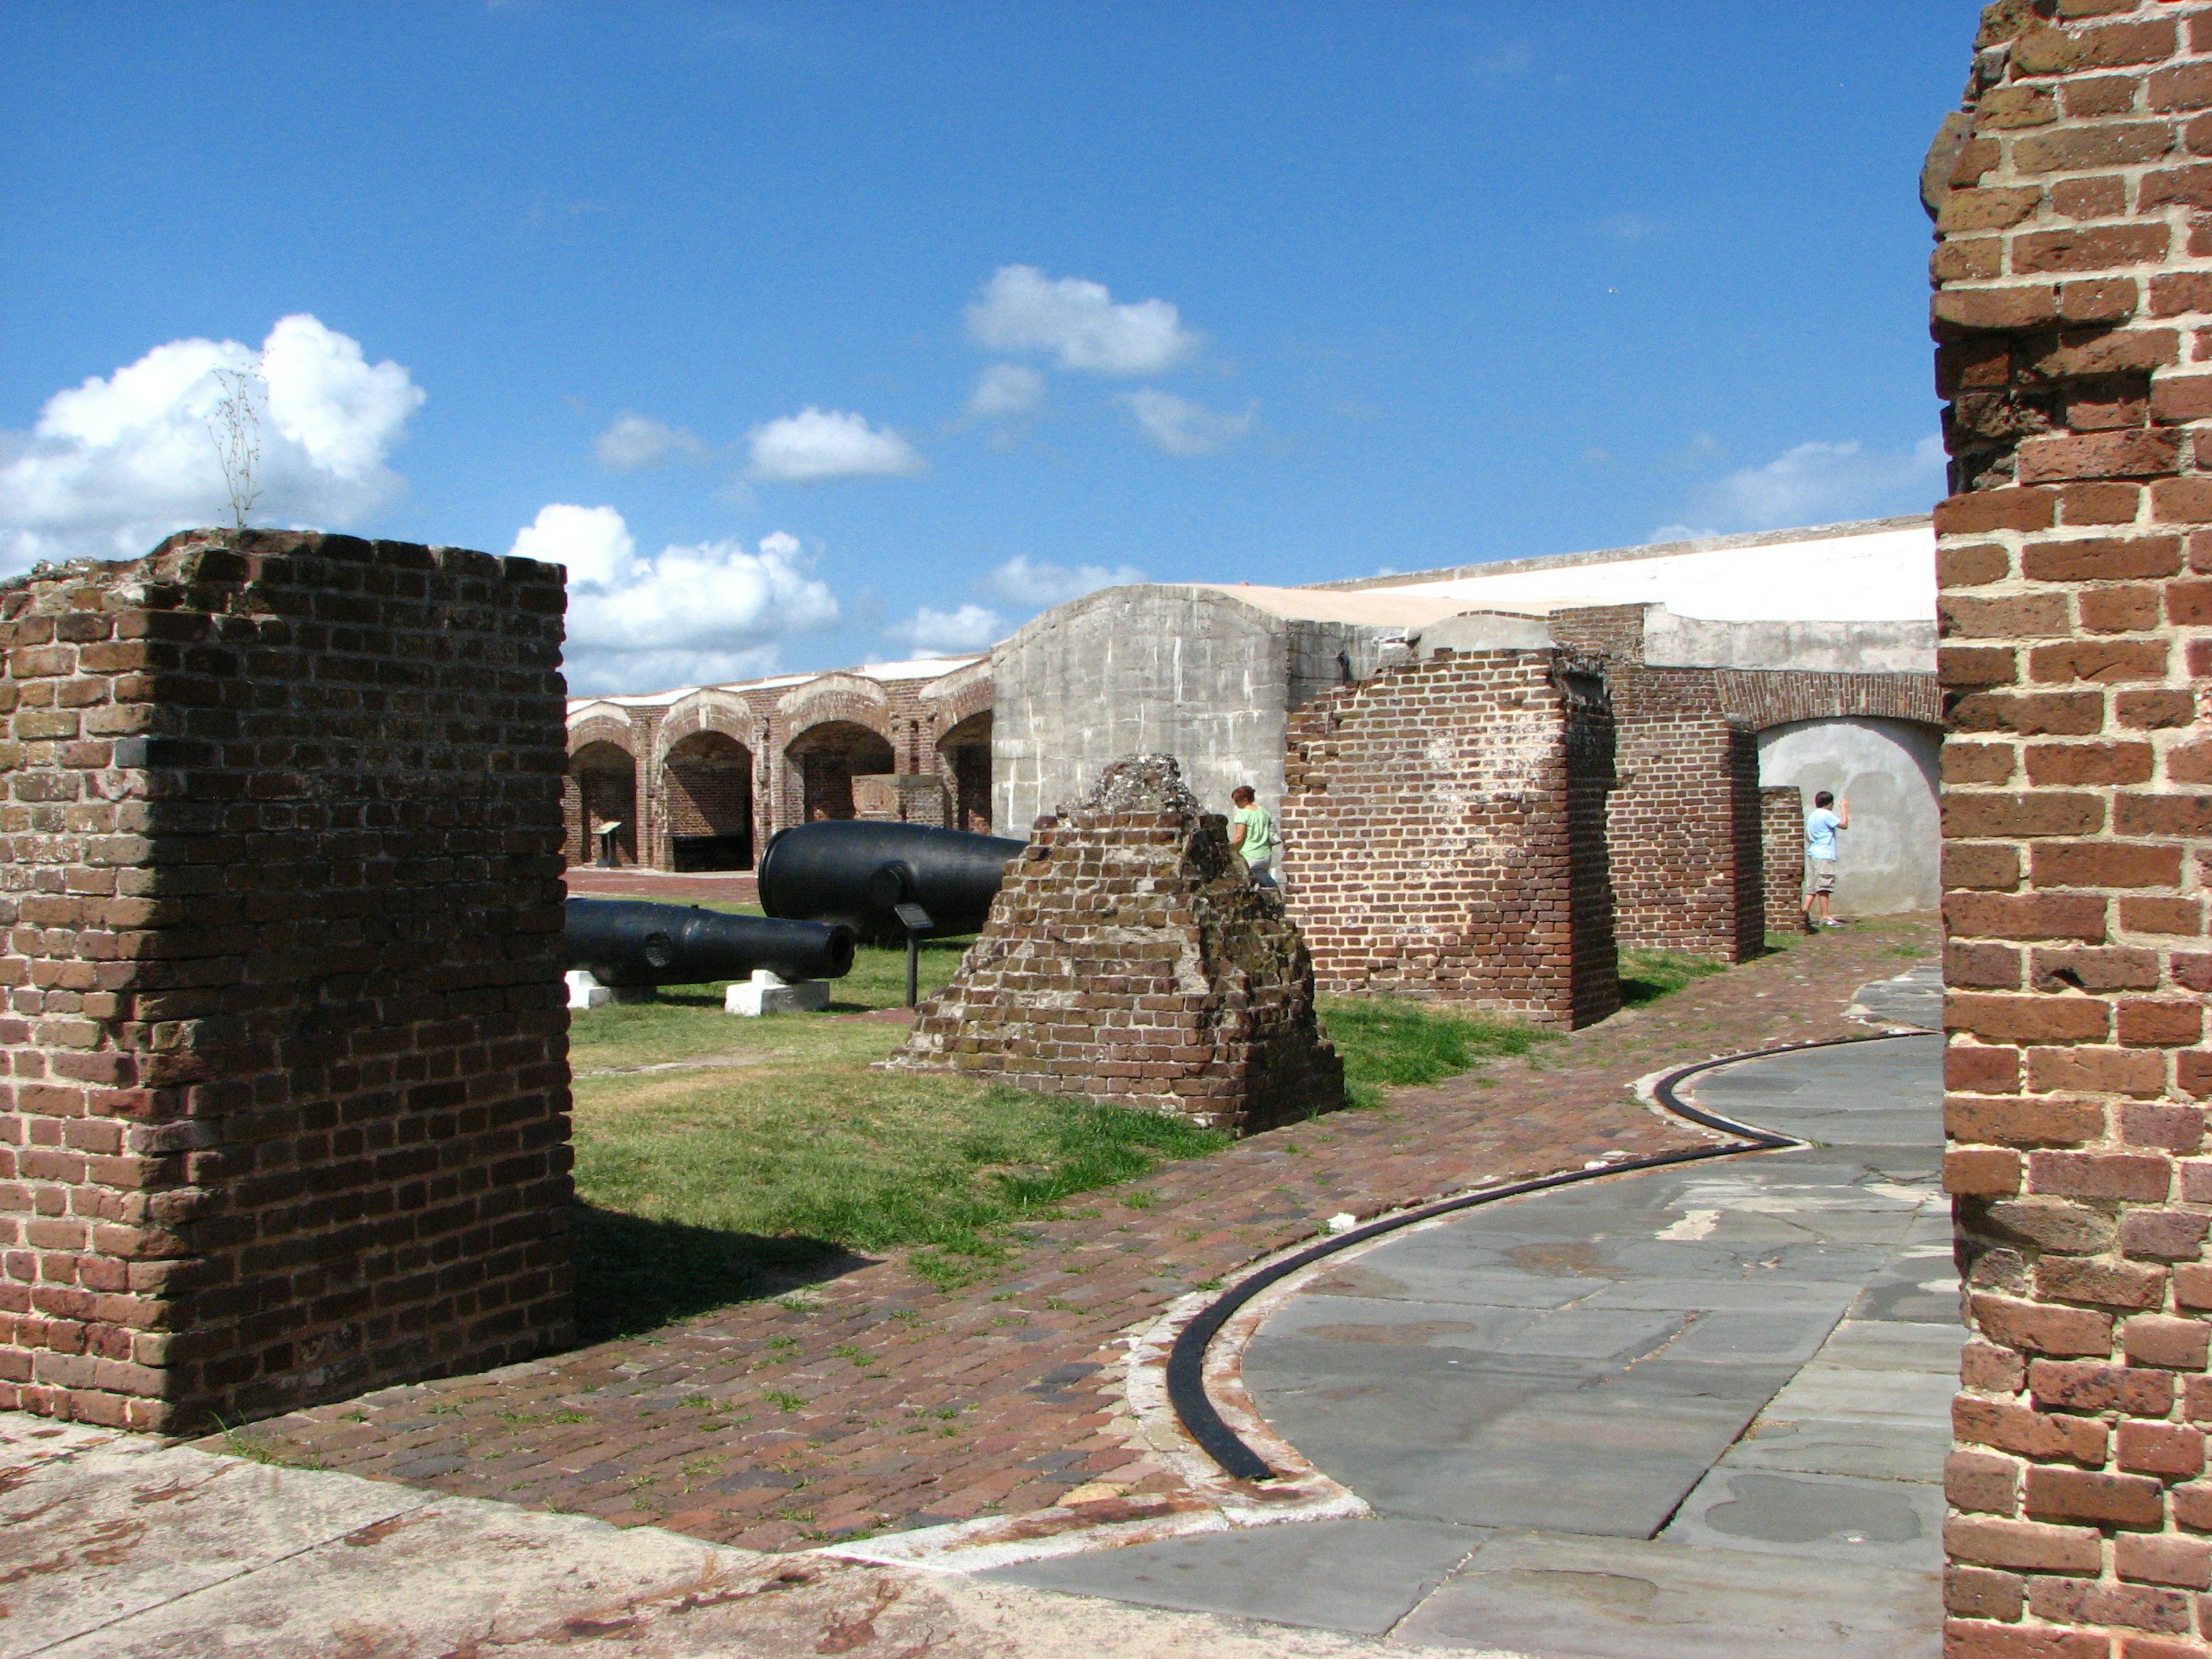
[1832,922]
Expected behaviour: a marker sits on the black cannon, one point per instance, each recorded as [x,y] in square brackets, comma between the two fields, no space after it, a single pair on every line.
[861,872]
[626,943]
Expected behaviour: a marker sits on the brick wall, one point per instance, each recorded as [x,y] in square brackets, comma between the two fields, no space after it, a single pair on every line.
[1435,819]
[1781,839]
[284,1043]
[1129,960]
[2074,321]
[1684,816]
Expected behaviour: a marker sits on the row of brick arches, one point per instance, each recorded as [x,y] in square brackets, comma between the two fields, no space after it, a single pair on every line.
[715,801]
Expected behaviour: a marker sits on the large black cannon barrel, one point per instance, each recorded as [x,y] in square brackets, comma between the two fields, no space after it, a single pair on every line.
[855,870]
[628,942]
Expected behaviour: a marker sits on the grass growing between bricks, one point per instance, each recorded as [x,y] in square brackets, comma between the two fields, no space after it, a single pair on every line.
[719,1159]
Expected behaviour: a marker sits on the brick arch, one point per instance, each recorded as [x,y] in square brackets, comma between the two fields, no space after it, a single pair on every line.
[1760,698]
[960,696]
[604,727]
[835,697]
[709,710]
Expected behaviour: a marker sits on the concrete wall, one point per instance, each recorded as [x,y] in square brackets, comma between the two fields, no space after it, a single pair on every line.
[1828,648]
[1887,769]
[1189,671]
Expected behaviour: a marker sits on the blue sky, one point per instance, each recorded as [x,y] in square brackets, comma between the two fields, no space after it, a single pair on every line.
[1270,293]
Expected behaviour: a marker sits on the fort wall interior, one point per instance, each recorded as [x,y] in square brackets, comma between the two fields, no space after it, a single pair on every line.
[284,1044]
[1701,714]
[2073,317]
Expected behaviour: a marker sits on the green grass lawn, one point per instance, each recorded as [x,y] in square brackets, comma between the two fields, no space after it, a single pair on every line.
[719,1158]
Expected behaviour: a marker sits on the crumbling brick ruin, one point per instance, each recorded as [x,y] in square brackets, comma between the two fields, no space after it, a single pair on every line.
[1444,834]
[2074,318]
[285,1045]
[1129,960]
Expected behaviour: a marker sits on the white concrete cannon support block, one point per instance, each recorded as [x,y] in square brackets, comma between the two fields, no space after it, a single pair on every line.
[584,991]
[765,993]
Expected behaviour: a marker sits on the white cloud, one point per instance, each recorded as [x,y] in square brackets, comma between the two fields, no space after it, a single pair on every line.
[692,615]
[593,542]
[634,443]
[1007,389]
[112,465]
[948,633]
[1819,483]
[1039,586]
[1182,427]
[1076,321]
[829,443]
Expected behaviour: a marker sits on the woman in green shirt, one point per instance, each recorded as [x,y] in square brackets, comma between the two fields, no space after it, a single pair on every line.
[1252,833]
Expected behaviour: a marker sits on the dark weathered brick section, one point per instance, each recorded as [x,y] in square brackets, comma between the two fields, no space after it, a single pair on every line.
[1130,960]
[284,1043]
[2074,321]
[1444,834]
[878,1402]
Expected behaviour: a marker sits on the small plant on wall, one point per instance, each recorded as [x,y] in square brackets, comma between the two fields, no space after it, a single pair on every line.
[234,427]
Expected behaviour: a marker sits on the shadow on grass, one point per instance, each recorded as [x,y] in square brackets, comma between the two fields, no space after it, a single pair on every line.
[634,1275]
[1647,975]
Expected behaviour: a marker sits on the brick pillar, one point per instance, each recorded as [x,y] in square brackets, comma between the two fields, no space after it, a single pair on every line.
[284,1047]
[2074,318]
[1444,834]
[1781,846]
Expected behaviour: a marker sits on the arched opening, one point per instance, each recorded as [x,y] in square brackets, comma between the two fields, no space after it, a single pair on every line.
[600,806]
[966,761]
[1891,857]
[707,787]
[827,759]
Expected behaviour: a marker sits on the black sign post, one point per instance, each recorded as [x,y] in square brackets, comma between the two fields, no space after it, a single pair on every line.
[916,921]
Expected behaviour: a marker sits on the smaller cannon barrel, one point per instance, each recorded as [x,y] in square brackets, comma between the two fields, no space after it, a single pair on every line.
[629,942]
[858,872]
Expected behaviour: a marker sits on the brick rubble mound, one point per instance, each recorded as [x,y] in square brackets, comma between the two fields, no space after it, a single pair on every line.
[1130,960]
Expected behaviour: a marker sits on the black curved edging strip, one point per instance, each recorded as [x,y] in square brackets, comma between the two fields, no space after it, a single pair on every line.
[1186,1370]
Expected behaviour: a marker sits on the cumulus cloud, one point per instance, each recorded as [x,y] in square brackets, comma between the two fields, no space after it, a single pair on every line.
[634,443]
[593,542]
[829,443]
[1005,389]
[1819,483]
[1181,427]
[1028,586]
[112,465]
[931,633]
[691,615]
[1078,323]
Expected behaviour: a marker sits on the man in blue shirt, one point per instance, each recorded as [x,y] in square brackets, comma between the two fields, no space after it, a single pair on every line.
[1821,826]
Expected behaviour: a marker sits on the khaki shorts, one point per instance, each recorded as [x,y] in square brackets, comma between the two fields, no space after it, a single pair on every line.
[1820,873]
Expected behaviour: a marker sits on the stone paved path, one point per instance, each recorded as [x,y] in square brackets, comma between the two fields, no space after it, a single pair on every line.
[876,1403]
[1698,1412]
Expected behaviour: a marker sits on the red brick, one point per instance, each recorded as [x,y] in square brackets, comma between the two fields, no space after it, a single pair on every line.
[2082,1495]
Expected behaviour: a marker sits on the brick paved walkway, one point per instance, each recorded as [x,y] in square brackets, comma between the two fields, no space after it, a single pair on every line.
[877,1402]
[720,887]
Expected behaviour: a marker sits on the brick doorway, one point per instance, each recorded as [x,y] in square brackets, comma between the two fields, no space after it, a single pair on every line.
[966,762]
[709,787]
[827,759]
[603,785]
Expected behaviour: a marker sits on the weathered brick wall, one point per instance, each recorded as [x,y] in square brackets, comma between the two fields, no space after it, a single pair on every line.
[285,1045]
[2074,318]
[1430,835]
[1782,840]
[1685,818]
[1129,960]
